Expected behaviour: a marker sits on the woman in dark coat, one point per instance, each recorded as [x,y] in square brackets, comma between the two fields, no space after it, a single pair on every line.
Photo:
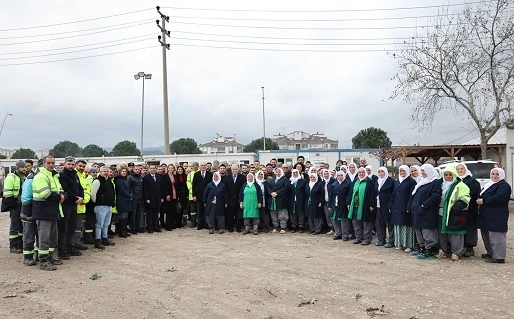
[471,237]
[123,201]
[297,201]
[362,201]
[265,218]
[215,200]
[425,200]
[401,216]
[278,191]
[183,192]
[314,200]
[170,193]
[327,181]
[339,191]
[384,188]
[493,216]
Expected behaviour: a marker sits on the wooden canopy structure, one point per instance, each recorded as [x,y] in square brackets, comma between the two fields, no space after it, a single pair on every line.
[435,152]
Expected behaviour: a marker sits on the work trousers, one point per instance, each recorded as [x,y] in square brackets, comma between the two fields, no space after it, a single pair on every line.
[381,226]
[279,218]
[328,216]
[15,228]
[342,228]
[30,237]
[211,218]
[363,230]
[297,220]
[495,243]
[427,238]
[66,228]
[47,234]
[249,222]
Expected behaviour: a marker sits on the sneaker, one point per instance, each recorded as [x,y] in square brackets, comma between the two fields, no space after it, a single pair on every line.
[346,238]
[494,261]
[246,231]
[408,250]
[46,265]
[365,243]
[388,245]
[283,231]
[274,231]
[399,248]
[469,252]
[426,254]
[315,233]
[486,256]
[81,247]
[416,252]
[379,243]
[337,237]
[211,231]
[331,232]
[221,231]
[455,257]
[293,231]
[356,242]
[442,254]
[75,253]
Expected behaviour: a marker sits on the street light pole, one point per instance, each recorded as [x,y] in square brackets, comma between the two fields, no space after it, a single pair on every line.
[263,121]
[144,76]
[5,118]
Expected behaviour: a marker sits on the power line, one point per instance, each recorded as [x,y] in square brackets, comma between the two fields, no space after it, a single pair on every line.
[75,51]
[76,46]
[83,30]
[73,22]
[73,36]
[305,28]
[449,143]
[78,58]
[321,11]
[280,50]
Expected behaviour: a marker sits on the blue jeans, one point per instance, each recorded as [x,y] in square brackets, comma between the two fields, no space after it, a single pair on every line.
[135,217]
[103,220]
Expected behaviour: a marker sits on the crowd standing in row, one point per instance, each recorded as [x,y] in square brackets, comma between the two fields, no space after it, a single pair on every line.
[427,213]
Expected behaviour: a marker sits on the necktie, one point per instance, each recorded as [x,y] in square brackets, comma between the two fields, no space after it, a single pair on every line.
[235,176]
[154,179]
[203,174]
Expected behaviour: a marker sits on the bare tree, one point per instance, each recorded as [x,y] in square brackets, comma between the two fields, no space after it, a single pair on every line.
[464,62]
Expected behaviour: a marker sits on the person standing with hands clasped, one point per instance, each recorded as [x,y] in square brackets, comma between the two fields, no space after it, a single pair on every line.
[361,202]
[215,200]
[250,199]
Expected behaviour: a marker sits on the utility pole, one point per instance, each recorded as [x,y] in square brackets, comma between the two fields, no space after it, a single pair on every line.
[162,40]
[263,121]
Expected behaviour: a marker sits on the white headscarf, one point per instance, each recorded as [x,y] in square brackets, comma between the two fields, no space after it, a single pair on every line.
[365,175]
[311,184]
[281,173]
[418,169]
[253,179]
[352,176]
[381,181]
[311,169]
[406,169]
[295,179]
[219,178]
[467,173]
[259,180]
[431,176]
[340,173]
[345,169]
[501,172]
[446,185]
[370,175]
[323,171]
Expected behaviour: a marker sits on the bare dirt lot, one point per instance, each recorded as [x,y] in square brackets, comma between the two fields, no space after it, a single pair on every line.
[191,274]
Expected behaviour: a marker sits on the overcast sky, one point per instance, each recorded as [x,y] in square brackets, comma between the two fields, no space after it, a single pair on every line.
[97,100]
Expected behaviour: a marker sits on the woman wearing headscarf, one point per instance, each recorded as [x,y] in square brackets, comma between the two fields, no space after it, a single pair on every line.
[215,199]
[453,214]
[327,182]
[401,214]
[250,199]
[384,190]
[369,173]
[352,172]
[338,194]
[182,191]
[471,237]
[415,173]
[493,216]
[265,218]
[426,197]
[170,193]
[314,197]
[278,190]
[297,202]
[344,169]
[361,203]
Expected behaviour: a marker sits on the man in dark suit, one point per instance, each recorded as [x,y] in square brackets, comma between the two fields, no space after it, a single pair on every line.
[153,199]
[200,181]
[234,181]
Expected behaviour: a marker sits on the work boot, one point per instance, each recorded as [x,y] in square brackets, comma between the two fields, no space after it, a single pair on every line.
[119,230]
[469,252]
[107,242]
[36,256]
[75,252]
[47,265]
[28,260]
[88,239]
[54,261]
[81,247]
[98,244]
[15,250]
[124,227]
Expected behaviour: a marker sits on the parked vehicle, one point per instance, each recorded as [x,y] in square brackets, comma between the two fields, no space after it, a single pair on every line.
[480,169]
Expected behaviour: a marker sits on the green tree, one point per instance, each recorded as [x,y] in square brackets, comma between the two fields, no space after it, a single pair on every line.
[257,145]
[93,150]
[185,146]
[371,138]
[125,148]
[3,156]
[24,153]
[65,148]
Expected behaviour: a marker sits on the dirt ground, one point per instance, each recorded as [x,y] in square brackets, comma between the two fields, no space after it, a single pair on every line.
[191,274]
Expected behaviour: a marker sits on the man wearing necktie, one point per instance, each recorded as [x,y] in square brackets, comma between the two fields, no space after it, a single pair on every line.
[200,181]
[153,199]
[234,182]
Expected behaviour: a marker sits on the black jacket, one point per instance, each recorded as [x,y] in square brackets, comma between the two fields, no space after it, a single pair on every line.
[401,213]
[474,192]
[105,194]
[200,183]
[493,215]
[297,197]
[136,184]
[313,198]
[384,196]
[152,190]
[71,185]
[233,189]
[370,200]
[281,187]
[425,205]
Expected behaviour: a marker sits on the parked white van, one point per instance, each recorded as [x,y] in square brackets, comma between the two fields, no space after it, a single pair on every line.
[481,170]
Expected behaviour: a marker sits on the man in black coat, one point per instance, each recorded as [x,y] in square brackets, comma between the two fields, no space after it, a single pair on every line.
[153,199]
[200,181]
[233,182]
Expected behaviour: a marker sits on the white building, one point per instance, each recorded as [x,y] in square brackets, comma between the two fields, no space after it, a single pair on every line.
[9,152]
[299,140]
[222,145]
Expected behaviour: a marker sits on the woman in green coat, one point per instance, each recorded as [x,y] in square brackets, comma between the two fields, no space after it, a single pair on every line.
[453,214]
[250,200]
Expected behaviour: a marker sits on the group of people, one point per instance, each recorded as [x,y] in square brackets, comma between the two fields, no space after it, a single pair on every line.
[427,213]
